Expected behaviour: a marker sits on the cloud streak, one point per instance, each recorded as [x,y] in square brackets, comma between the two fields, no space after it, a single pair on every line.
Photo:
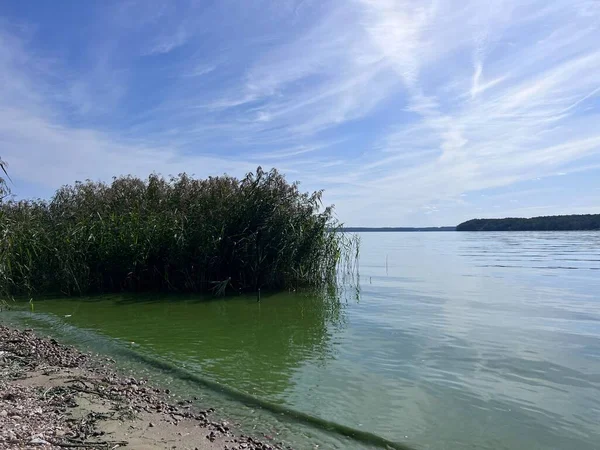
[400,109]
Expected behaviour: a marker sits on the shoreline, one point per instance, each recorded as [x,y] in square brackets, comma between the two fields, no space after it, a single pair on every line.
[53,396]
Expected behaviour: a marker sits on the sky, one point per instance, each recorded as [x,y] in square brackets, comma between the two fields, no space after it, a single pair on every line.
[406,112]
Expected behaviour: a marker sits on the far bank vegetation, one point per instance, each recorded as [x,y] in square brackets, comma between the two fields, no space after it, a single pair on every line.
[574,222]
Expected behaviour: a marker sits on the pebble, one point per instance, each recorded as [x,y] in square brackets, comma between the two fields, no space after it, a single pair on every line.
[46,355]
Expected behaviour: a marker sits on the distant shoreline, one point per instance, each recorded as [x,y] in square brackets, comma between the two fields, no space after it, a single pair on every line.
[394,229]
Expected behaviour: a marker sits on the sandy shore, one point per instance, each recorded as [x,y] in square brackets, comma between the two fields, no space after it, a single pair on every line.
[53,397]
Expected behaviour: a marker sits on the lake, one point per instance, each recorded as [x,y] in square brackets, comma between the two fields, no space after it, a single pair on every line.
[448,341]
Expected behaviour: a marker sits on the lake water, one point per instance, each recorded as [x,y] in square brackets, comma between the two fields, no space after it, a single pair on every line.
[450,341]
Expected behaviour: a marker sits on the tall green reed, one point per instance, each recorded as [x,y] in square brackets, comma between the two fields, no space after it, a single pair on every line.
[4,192]
[218,235]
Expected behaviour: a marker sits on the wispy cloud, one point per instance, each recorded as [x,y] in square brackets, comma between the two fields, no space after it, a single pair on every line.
[523,123]
[168,42]
[397,107]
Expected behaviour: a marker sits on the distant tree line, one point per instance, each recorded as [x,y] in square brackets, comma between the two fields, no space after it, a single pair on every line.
[545,223]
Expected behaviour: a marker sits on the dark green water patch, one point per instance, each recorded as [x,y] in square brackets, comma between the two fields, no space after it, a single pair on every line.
[66,315]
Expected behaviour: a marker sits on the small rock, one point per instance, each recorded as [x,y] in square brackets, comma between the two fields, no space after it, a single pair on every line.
[151,425]
[39,441]
[3,413]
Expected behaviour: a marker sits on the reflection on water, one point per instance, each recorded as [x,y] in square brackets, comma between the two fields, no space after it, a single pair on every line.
[237,342]
[457,340]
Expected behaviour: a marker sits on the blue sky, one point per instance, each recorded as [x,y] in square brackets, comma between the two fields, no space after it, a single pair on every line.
[407,113]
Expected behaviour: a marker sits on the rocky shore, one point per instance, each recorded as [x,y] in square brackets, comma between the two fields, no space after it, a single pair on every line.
[55,397]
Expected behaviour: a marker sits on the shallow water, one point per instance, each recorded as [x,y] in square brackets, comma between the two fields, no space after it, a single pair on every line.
[451,341]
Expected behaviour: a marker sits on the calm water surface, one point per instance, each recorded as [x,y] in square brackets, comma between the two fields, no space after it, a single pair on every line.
[450,341]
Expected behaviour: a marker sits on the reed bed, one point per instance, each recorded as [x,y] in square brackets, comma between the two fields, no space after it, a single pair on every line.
[219,235]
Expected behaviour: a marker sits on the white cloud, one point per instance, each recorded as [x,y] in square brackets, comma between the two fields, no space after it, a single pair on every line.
[169,42]
[517,126]
[389,105]
[201,69]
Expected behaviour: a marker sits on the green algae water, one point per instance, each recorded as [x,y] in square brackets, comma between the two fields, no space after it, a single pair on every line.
[448,341]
